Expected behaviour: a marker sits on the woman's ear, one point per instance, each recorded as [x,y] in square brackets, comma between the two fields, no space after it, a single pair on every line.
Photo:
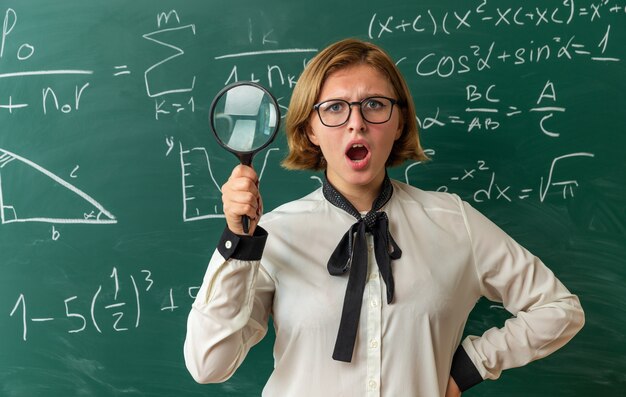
[399,131]
[312,137]
[400,126]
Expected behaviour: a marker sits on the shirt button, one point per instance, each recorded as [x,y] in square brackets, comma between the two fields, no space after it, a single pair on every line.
[373,384]
[373,276]
[228,244]
[374,343]
[374,303]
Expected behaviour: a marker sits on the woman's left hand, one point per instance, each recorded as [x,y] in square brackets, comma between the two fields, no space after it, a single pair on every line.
[452,390]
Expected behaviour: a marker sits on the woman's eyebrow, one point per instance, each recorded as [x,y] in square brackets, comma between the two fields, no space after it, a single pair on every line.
[345,98]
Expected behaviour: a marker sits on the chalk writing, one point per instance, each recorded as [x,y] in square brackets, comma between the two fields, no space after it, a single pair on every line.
[50,93]
[121,70]
[484,101]
[49,96]
[443,22]
[163,104]
[201,192]
[25,50]
[494,189]
[118,314]
[200,189]
[9,212]
[272,74]
[480,57]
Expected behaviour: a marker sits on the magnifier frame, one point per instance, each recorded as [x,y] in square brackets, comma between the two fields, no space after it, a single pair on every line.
[245,157]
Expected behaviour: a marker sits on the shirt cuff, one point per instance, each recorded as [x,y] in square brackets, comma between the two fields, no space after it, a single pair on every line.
[464,371]
[242,247]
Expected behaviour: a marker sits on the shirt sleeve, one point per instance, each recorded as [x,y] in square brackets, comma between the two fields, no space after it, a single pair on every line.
[546,314]
[232,308]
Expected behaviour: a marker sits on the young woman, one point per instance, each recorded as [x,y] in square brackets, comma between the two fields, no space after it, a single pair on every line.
[369,281]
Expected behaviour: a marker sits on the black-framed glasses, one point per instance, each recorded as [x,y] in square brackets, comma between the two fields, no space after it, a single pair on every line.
[374,110]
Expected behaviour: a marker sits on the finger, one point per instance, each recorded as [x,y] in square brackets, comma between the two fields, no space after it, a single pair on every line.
[243,199]
[234,211]
[241,184]
[259,210]
[234,214]
[244,171]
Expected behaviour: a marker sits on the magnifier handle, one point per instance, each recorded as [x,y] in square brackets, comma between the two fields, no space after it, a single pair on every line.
[245,159]
[245,221]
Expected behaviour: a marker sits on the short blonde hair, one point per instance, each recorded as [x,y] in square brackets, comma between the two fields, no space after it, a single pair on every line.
[303,154]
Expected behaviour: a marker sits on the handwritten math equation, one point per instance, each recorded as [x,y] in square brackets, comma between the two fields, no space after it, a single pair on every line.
[168,97]
[110,310]
[447,22]
[485,110]
[480,57]
[23,52]
[488,187]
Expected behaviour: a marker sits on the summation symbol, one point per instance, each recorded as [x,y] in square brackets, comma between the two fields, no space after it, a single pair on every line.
[166,67]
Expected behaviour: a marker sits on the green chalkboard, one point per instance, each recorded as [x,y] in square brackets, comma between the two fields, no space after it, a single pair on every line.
[109,199]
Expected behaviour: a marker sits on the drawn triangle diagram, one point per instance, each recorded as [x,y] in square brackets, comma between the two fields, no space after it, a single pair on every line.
[30,193]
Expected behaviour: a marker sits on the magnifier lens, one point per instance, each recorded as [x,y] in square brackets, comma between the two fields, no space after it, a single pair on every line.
[244,118]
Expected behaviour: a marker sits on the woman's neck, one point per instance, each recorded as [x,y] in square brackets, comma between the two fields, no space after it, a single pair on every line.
[360,196]
[363,199]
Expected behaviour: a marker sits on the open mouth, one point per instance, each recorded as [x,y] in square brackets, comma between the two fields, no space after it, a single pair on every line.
[357,152]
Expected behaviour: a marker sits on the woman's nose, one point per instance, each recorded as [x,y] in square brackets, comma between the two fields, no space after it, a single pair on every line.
[355,120]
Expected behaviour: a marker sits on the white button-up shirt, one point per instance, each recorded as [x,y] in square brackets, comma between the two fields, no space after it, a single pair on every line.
[451,256]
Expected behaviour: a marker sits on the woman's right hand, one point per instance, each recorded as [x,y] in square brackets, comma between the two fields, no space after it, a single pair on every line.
[240,196]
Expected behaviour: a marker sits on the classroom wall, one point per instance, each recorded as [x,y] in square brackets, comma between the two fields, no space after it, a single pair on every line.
[109,175]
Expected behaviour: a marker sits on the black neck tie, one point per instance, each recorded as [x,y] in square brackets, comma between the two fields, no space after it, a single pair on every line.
[351,256]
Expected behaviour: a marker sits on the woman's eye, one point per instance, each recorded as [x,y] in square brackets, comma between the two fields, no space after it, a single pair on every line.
[373,104]
[334,107]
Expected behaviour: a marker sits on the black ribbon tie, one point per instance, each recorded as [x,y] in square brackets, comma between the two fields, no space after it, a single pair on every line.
[351,256]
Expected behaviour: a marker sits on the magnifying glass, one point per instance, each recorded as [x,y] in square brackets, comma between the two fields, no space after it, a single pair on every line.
[245,118]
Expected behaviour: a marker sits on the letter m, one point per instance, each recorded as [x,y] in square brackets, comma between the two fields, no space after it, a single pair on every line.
[167,17]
